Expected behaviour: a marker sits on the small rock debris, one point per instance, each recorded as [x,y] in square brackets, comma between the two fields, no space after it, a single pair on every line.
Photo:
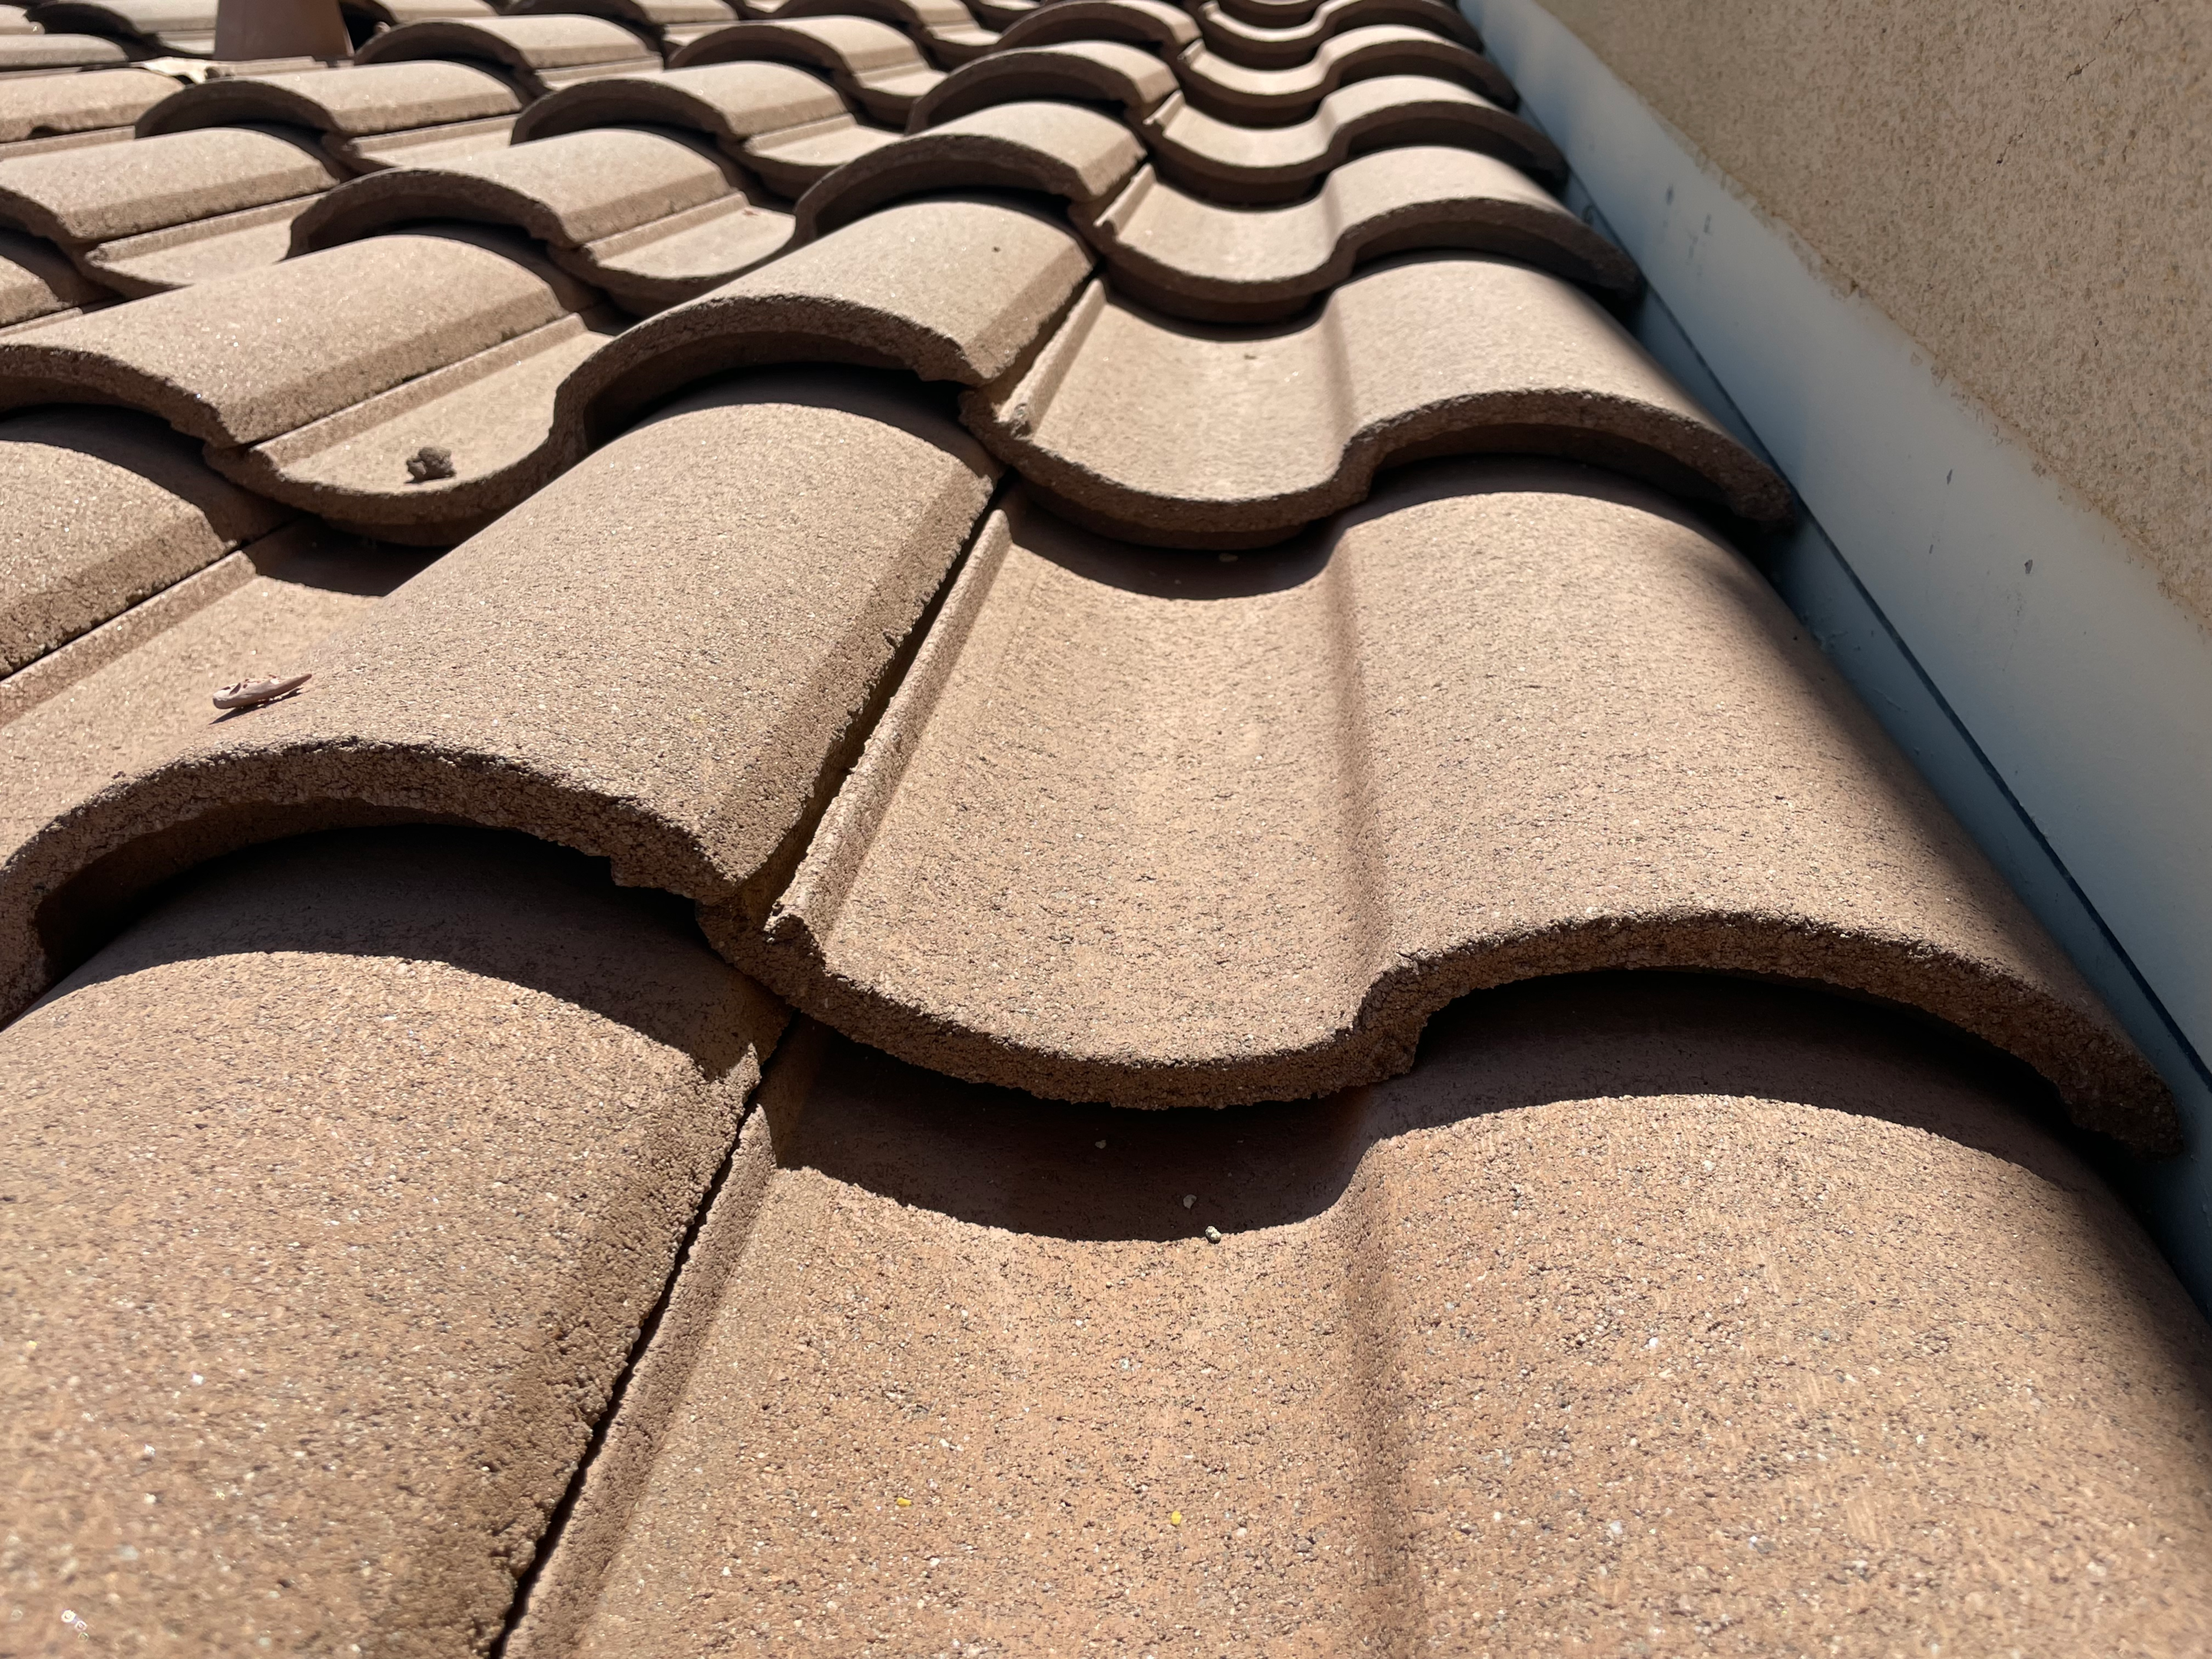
[430,462]
[1214,1235]
[251,694]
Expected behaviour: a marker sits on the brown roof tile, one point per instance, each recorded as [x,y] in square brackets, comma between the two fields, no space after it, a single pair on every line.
[649,602]
[13,20]
[123,695]
[393,13]
[251,357]
[48,106]
[455,341]
[668,23]
[1261,47]
[1086,72]
[202,187]
[38,279]
[538,54]
[43,54]
[1228,162]
[1191,257]
[1278,96]
[347,1309]
[355,101]
[952,288]
[787,126]
[1592,1324]
[1117,414]
[104,508]
[1055,149]
[1154,830]
[647,216]
[874,66]
[729,102]
[179,28]
[1166,28]
[945,30]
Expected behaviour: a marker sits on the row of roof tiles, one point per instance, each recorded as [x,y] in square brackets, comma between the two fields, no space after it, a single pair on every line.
[1246,64]
[828,609]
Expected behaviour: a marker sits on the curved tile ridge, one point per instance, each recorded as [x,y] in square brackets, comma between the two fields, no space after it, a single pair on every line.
[105,508]
[1230,437]
[1087,71]
[48,108]
[669,24]
[359,100]
[957,289]
[1229,162]
[539,54]
[1159,832]
[729,103]
[183,28]
[658,659]
[1060,149]
[1166,29]
[785,124]
[1279,96]
[314,381]
[1190,257]
[1261,47]
[874,66]
[157,214]
[45,54]
[944,29]
[405,1038]
[647,217]
[37,280]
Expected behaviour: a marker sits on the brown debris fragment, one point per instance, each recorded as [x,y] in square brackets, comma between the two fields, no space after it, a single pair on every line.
[251,694]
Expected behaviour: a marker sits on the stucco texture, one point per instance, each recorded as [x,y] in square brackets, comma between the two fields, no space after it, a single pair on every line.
[2019,185]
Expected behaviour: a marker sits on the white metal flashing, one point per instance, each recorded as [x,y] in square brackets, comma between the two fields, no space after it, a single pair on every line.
[2011,639]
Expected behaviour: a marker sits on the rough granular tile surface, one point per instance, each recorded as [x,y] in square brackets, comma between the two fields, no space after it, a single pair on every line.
[336,1192]
[1647,1315]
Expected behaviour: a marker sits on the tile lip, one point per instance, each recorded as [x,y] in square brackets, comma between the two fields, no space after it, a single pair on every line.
[984,150]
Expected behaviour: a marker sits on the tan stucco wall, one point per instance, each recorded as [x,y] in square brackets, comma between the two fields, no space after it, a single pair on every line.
[2021,187]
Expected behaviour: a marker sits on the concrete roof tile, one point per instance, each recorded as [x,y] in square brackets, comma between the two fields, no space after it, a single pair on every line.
[250,357]
[956,1363]
[198,187]
[393,13]
[419,146]
[793,160]
[43,54]
[1084,71]
[382,1276]
[1278,97]
[1227,162]
[1115,416]
[13,20]
[104,508]
[1241,42]
[650,601]
[38,279]
[945,30]
[538,54]
[47,106]
[1191,257]
[729,102]
[668,24]
[871,65]
[651,217]
[1157,831]
[181,28]
[131,692]
[1166,28]
[952,288]
[1053,149]
[357,100]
